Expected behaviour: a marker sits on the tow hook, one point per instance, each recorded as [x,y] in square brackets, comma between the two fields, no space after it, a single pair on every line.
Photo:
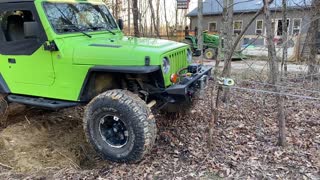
[226,81]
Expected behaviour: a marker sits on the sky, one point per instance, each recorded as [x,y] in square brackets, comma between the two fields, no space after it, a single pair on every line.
[193,4]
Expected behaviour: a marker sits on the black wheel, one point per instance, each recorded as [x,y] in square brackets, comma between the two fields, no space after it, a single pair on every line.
[210,53]
[120,126]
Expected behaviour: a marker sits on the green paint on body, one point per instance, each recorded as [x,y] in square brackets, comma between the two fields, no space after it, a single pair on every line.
[61,74]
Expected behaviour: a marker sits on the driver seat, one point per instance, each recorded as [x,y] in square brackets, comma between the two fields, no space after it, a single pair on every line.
[15,31]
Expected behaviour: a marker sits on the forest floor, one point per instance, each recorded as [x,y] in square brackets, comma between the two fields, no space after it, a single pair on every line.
[39,144]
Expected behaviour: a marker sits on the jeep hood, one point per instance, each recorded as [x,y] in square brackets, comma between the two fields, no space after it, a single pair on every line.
[120,50]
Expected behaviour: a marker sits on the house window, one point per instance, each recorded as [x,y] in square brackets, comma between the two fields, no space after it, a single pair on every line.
[279,27]
[212,27]
[296,28]
[237,27]
[259,27]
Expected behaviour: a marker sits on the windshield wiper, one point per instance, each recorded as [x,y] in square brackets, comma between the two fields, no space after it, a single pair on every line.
[71,24]
[101,27]
[109,30]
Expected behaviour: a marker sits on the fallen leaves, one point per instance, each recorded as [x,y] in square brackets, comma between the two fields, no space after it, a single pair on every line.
[245,145]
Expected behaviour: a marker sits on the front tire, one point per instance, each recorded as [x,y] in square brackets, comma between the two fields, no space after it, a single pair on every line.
[120,126]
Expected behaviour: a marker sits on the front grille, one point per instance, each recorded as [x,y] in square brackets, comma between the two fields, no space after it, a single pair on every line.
[178,60]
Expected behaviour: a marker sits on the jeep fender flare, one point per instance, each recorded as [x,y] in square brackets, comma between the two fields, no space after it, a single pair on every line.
[114,69]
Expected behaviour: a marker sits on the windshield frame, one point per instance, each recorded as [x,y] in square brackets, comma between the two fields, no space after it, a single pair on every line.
[85,30]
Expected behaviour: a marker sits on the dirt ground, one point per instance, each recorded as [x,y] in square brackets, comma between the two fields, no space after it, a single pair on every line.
[39,144]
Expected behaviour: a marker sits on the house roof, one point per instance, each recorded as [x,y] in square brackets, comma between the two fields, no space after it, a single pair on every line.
[14,1]
[214,7]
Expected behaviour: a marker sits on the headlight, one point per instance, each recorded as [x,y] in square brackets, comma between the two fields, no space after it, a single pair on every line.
[165,65]
[189,56]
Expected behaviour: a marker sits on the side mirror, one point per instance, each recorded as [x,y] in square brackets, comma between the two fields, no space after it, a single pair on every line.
[31,29]
[120,24]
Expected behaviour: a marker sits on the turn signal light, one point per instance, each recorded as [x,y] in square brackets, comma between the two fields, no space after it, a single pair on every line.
[174,78]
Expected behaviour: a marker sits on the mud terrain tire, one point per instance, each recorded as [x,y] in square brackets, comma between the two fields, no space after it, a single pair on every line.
[122,109]
[3,110]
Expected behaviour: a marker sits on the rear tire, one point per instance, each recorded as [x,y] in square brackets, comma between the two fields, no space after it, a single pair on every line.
[120,126]
[3,110]
[210,53]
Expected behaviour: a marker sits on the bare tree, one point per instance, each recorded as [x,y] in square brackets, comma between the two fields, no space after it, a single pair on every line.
[117,9]
[227,36]
[135,12]
[228,41]
[200,28]
[158,17]
[129,17]
[166,18]
[153,18]
[312,36]
[284,61]
[274,73]
[236,42]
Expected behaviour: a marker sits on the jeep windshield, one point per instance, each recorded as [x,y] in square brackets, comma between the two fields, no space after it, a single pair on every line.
[64,17]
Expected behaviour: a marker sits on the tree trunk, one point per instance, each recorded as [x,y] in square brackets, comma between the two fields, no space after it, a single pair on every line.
[113,8]
[228,39]
[222,36]
[284,61]
[129,18]
[176,25]
[228,46]
[200,28]
[236,42]
[274,74]
[117,8]
[313,63]
[153,18]
[135,12]
[215,103]
[166,18]
[158,17]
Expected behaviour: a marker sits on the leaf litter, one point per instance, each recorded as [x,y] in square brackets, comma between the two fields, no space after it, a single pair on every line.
[51,145]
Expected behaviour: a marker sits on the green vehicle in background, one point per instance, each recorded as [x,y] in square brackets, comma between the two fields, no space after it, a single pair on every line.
[210,46]
[60,53]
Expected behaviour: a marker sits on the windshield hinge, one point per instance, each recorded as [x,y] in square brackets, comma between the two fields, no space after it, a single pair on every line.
[50,46]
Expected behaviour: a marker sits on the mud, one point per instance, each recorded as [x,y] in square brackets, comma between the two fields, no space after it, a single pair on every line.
[40,140]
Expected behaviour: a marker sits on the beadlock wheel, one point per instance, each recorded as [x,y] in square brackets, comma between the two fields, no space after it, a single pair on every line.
[120,126]
[113,131]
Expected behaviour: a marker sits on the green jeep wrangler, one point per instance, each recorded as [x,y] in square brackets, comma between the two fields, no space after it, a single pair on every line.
[60,53]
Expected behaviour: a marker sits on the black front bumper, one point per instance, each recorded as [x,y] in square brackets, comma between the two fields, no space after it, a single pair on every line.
[190,85]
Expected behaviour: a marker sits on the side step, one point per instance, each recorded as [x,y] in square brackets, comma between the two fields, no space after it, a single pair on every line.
[41,102]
